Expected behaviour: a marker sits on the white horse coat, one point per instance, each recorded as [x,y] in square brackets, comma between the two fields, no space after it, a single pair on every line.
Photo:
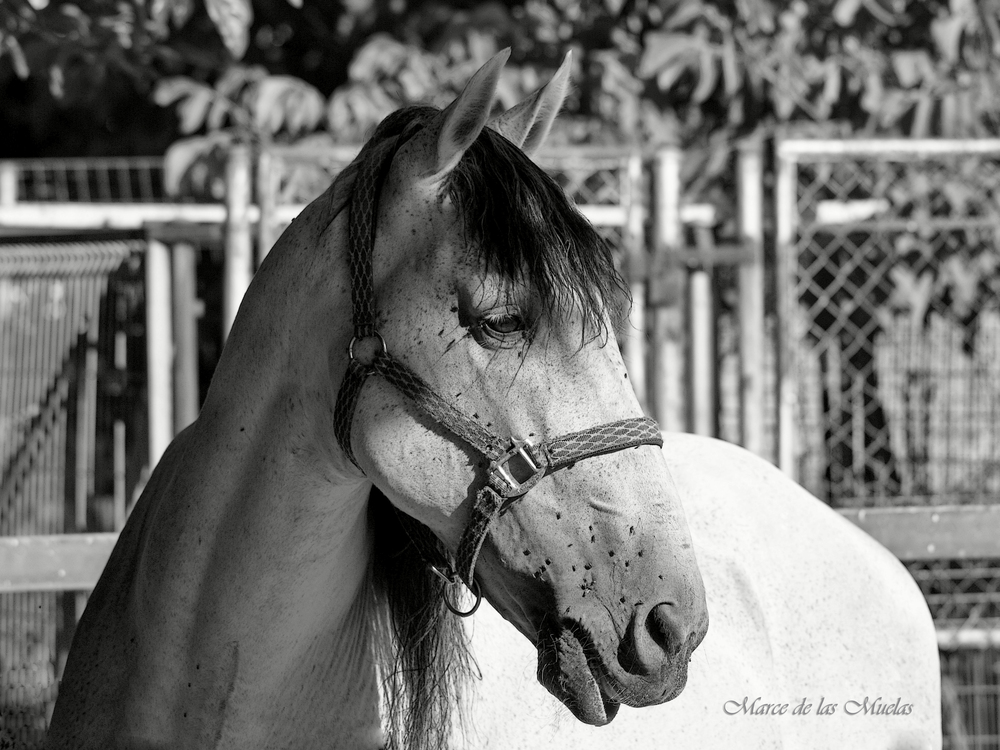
[803,606]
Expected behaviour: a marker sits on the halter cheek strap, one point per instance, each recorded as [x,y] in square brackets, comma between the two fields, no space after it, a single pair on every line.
[515,465]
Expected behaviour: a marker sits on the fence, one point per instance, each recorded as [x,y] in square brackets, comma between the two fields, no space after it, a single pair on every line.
[68,442]
[696,347]
[888,391]
[857,408]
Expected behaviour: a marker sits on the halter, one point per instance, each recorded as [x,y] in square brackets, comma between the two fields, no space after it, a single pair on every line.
[515,464]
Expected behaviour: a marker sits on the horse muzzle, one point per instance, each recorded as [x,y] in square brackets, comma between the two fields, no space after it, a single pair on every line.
[649,666]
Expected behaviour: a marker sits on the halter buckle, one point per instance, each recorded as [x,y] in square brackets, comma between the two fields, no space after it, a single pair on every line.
[517,470]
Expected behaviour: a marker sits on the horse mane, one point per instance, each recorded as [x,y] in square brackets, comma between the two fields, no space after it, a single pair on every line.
[524,228]
[420,647]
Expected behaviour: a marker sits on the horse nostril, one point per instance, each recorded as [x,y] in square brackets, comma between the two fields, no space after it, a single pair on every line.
[653,640]
[662,629]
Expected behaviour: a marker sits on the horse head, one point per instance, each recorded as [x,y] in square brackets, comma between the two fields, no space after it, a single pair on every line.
[488,305]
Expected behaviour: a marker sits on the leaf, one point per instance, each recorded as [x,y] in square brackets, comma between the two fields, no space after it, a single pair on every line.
[963,280]
[182,155]
[181,11]
[669,75]
[912,67]
[707,75]
[871,99]
[381,55]
[731,78]
[910,293]
[946,31]
[895,104]
[265,102]
[685,13]
[192,110]
[56,82]
[660,49]
[832,82]
[845,11]
[286,101]
[17,58]
[232,19]
[950,126]
[169,90]
[922,117]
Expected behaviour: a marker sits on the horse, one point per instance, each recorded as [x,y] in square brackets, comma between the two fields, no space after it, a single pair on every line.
[422,395]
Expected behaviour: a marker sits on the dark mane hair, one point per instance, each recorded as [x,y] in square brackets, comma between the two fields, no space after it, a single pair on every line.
[525,229]
[420,647]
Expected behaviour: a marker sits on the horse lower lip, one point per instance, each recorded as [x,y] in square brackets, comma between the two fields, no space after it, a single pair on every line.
[567,673]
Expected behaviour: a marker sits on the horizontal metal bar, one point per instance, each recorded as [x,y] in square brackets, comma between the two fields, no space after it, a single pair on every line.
[598,215]
[953,639]
[89,216]
[57,562]
[931,533]
[887,148]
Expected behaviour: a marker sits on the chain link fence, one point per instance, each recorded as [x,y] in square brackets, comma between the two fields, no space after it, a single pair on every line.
[891,375]
[64,408]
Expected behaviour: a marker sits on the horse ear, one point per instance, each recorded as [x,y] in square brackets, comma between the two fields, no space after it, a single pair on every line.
[527,124]
[465,118]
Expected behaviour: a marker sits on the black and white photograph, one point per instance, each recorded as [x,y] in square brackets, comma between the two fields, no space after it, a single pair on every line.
[504,375]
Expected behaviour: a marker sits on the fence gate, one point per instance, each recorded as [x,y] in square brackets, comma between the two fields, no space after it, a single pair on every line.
[65,411]
[889,385]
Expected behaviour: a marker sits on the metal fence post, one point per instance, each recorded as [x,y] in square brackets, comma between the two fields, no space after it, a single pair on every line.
[785,225]
[186,311]
[159,349]
[238,268]
[750,184]
[636,343]
[268,184]
[8,183]
[667,287]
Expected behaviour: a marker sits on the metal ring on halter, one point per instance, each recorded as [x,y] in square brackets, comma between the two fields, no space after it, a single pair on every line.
[451,578]
[372,335]
[474,588]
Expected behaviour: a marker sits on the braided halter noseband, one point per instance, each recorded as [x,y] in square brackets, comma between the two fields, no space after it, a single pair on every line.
[515,465]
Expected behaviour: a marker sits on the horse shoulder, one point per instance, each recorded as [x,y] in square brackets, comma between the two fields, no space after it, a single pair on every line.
[820,605]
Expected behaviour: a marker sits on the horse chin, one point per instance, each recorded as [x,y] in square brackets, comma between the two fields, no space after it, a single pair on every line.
[564,670]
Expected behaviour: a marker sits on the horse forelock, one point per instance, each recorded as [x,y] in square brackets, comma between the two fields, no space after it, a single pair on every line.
[521,226]
[525,229]
[421,649]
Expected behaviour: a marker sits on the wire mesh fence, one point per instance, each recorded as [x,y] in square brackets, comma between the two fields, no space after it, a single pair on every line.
[895,328]
[892,346]
[62,308]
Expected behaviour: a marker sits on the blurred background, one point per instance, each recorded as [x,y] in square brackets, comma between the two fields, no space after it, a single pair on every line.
[803,197]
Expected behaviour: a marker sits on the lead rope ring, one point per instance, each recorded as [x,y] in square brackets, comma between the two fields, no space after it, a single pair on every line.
[451,580]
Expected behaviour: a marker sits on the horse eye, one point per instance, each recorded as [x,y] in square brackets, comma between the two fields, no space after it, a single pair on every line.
[502,327]
[505,325]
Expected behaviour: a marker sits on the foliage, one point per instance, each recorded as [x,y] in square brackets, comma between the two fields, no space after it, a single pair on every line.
[702,73]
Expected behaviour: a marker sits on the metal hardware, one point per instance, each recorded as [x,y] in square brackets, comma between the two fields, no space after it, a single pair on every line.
[502,478]
[450,577]
[374,353]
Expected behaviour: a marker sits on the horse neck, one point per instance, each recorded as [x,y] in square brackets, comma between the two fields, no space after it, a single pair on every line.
[286,518]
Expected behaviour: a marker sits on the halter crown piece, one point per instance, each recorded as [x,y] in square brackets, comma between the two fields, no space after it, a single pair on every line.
[515,465]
